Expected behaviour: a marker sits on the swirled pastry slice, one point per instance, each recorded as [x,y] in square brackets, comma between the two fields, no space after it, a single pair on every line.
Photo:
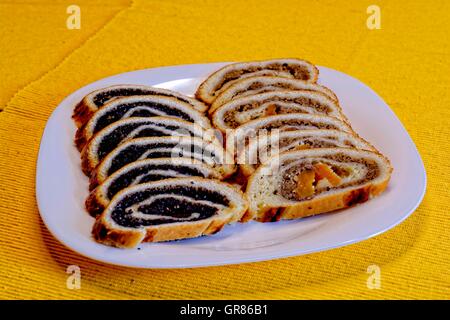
[302,183]
[138,106]
[209,152]
[256,85]
[144,171]
[238,139]
[217,82]
[258,151]
[98,98]
[110,137]
[166,210]
[242,110]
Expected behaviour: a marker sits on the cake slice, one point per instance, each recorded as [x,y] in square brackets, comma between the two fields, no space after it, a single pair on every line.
[261,84]
[110,137]
[144,171]
[259,151]
[303,183]
[166,210]
[138,106]
[238,139]
[217,82]
[98,98]
[209,152]
[242,110]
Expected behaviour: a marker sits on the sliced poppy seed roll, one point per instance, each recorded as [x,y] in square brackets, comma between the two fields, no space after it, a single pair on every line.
[167,210]
[110,137]
[258,151]
[209,152]
[256,85]
[302,183]
[242,110]
[144,171]
[239,138]
[138,106]
[98,98]
[217,82]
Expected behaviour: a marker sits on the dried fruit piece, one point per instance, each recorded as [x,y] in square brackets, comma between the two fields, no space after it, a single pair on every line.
[271,110]
[302,147]
[305,183]
[323,171]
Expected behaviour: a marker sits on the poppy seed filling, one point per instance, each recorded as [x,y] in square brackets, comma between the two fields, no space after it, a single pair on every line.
[114,138]
[103,97]
[171,204]
[138,109]
[146,173]
[154,150]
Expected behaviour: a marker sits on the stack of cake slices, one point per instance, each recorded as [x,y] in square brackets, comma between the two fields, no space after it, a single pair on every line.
[155,166]
[260,141]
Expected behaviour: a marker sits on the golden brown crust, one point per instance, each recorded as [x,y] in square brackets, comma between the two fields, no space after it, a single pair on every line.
[80,138]
[94,180]
[247,216]
[102,233]
[82,112]
[321,205]
[86,163]
[123,237]
[94,204]
[203,93]
[170,232]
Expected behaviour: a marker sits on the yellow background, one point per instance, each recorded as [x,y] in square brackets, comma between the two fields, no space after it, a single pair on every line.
[406,62]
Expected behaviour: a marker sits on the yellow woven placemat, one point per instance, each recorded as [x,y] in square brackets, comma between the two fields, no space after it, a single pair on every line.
[406,62]
[34,37]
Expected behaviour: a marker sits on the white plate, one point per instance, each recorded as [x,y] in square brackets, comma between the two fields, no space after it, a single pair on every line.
[61,188]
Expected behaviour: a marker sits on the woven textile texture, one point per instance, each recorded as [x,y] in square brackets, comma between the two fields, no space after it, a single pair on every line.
[406,62]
